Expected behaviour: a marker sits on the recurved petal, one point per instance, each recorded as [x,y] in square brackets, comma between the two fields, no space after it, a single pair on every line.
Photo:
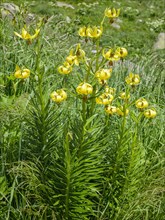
[17,34]
[82,31]
[37,31]
[18,74]
[25,34]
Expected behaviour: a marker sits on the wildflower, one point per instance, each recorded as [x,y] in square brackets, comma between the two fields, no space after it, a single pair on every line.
[58,96]
[111,55]
[124,95]
[121,111]
[132,79]
[80,54]
[150,113]
[104,99]
[71,58]
[84,89]
[112,13]
[141,103]
[110,109]
[82,32]
[103,74]
[75,57]
[66,68]
[92,32]
[26,36]
[21,73]
[122,52]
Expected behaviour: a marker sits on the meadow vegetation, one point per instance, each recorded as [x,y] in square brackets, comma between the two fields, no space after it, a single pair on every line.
[82,112]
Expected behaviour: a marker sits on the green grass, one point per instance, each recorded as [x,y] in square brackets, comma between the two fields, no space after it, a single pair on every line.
[72,160]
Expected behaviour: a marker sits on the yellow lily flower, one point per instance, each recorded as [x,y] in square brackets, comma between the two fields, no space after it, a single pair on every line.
[92,32]
[103,74]
[71,58]
[124,95]
[21,73]
[104,99]
[110,109]
[84,89]
[150,113]
[82,32]
[141,103]
[121,111]
[132,79]
[76,57]
[122,52]
[58,96]
[110,55]
[112,13]
[26,36]
[66,68]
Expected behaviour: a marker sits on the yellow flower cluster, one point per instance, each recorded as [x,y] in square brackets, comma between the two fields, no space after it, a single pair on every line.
[121,111]
[111,55]
[114,55]
[73,58]
[58,96]
[92,32]
[107,98]
[96,67]
[103,74]
[21,73]
[142,104]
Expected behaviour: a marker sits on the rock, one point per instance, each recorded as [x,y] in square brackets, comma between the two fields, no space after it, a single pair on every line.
[63,4]
[118,20]
[9,10]
[160,43]
[30,18]
[115,25]
[68,19]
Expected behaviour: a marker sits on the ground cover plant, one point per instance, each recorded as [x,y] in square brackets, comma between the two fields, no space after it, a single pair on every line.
[81,124]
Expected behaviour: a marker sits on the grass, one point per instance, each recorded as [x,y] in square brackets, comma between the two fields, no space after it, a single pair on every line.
[72,160]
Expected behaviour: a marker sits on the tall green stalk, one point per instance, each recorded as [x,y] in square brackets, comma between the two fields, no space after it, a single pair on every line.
[68,176]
